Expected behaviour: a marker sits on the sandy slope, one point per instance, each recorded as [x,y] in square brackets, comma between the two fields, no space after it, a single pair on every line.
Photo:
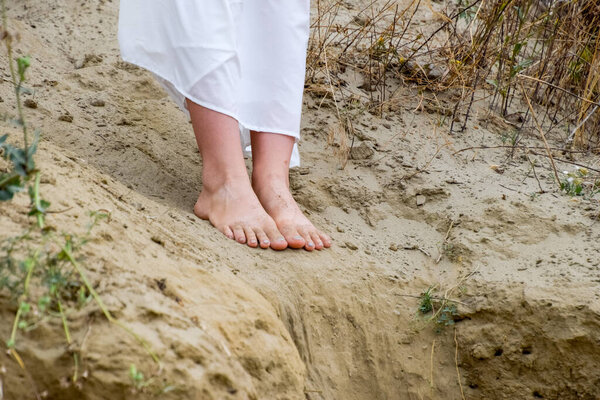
[339,324]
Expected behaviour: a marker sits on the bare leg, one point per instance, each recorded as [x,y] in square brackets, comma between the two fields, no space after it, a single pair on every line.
[270,179]
[227,199]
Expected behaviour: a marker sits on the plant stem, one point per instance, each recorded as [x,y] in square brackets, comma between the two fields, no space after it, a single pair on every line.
[37,201]
[63,317]
[103,308]
[13,76]
[13,333]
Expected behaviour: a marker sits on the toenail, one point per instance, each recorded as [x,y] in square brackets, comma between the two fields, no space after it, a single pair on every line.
[311,244]
[281,239]
[298,237]
[266,242]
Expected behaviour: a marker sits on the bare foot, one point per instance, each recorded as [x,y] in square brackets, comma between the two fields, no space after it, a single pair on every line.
[234,209]
[298,231]
[227,199]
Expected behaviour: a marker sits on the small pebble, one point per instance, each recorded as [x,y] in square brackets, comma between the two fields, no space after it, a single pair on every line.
[30,103]
[351,246]
[124,122]
[157,240]
[98,103]
[66,118]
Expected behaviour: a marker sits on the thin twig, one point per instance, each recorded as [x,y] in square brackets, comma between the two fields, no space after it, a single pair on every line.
[506,187]
[462,393]
[572,134]
[104,309]
[446,299]
[541,134]
[431,364]
[532,163]
[558,88]
[445,241]
[567,161]
[518,147]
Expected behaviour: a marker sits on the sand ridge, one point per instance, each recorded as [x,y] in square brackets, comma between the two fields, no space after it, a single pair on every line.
[234,322]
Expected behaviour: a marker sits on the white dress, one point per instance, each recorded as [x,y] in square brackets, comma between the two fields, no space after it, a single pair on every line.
[243,58]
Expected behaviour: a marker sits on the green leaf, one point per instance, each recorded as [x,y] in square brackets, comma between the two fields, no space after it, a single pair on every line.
[25,307]
[11,187]
[520,13]
[25,90]
[22,64]
[520,67]
[517,48]
[492,82]
[43,303]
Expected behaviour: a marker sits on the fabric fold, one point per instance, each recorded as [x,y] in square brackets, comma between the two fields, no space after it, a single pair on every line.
[241,58]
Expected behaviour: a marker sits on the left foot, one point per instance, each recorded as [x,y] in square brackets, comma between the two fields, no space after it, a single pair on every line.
[274,195]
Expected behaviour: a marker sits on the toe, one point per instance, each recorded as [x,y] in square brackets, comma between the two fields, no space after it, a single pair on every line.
[310,245]
[262,237]
[293,237]
[250,237]
[278,242]
[316,240]
[227,232]
[239,235]
[325,239]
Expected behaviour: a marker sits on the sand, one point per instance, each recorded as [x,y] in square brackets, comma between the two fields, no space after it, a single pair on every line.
[230,322]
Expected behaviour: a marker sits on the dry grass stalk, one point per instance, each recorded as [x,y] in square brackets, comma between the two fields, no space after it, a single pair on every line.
[495,46]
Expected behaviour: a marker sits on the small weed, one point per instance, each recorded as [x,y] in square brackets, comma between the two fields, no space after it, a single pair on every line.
[510,137]
[426,303]
[40,269]
[137,378]
[139,384]
[534,195]
[439,310]
[574,183]
[447,314]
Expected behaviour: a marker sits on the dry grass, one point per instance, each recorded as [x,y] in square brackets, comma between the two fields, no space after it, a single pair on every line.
[484,52]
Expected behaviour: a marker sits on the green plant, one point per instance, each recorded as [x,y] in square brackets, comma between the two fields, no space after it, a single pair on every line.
[41,269]
[150,386]
[426,302]
[439,310]
[137,378]
[574,183]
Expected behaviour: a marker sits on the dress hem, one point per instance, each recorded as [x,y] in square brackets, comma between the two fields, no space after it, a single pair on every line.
[295,135]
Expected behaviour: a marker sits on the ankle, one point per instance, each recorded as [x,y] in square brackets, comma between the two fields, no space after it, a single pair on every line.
[268,182]
[269,177]
[213,182]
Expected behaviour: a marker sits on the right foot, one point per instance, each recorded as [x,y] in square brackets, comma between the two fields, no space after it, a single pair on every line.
[234,209]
